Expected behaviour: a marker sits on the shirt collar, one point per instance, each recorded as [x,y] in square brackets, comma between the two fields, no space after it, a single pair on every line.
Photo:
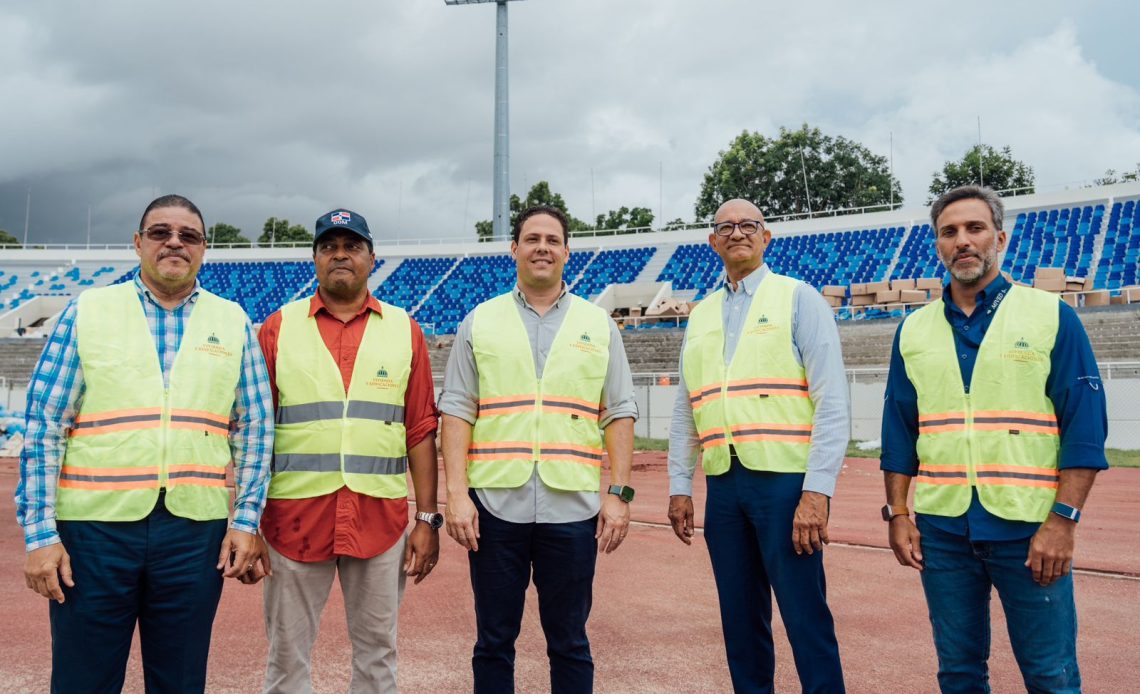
[316,305]
[751,281]
[521,298]
[144,292]
[989,297]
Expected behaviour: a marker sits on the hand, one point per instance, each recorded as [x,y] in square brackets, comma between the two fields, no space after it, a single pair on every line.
[681,516]
[261,567]
[240,550]
[906,541]
[613,523]
[462,521]
[1051,549]
[809,525]
[45,568]
[421,552]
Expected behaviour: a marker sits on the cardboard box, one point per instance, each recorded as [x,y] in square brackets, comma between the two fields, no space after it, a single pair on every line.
[1070,299]
[876,287]
[833,301]
[936,294]
[1050,284]
[868,299]
[1050,273]
[928,283]
[912,296]
[902,285]
[834,290]
[1089,283]
[1098,298]
[1074,285]
[857,289]
[887,296]
[1133,294]
[1118,300]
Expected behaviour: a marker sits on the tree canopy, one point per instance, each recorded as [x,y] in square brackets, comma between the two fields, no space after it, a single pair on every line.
[997,170]
[841,174]
[222,234]
[1111,177]
[625,218]
[7,239]
[539,194]
[279,231]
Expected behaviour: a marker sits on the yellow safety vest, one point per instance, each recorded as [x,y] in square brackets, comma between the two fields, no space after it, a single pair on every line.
[1002,436]
[326,438]
[759,404]
[525,421]
[132,435]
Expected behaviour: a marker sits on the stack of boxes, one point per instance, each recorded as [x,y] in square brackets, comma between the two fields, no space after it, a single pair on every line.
[1071,289]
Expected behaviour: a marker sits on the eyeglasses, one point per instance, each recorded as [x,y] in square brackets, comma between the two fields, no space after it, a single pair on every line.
[748,227]
[161,234]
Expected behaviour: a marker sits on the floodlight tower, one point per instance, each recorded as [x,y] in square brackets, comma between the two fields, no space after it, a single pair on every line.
[502,190]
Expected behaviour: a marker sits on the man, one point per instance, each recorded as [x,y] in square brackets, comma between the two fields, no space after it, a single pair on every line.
[355,406]
[1005,447]
[763,395]
[143,394]
[532,377]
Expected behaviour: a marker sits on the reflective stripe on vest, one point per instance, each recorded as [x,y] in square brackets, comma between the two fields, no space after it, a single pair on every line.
[1002,437]
[524,420]
[327,439]
[758,404]
[123,428]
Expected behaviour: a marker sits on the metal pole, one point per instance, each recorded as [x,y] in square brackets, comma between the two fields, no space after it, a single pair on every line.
[502,210]
[593,199]
[981,164]
[891,181]
[807,190]
[660,194]
[89,227]
[27,215]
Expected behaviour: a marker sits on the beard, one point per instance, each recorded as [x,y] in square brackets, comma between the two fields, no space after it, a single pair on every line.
[971,275]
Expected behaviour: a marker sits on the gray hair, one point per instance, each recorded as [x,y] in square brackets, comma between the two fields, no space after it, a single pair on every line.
[986,195]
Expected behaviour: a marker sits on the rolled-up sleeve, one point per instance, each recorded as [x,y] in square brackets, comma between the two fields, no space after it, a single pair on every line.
[683,442]
[251,436]
[460,395]
[618,398]
[420,414]
[817,339]
[1077,393]
[900,417]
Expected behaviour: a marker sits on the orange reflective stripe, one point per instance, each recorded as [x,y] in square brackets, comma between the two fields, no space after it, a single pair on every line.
[569,452]
[507,404]
[501,450]
[197,475]
[92,424]
[108,478]
[792,433]
[941,422]
[792,387]
[1016,421]
[713,437]
[944,474]
[707,393]
[572,406]
[199,420]
[1018,475]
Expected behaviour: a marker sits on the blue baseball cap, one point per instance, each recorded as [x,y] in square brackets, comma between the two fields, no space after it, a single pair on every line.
[341,219]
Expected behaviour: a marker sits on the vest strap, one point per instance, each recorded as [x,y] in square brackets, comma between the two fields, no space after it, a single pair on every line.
[330,462]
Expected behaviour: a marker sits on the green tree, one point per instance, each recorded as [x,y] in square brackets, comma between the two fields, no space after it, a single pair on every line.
[841,174]
[539,194]
[998,170]
[222,234]
[7,240]
[625,219]
[676,224]
[1111,177]
[278,231]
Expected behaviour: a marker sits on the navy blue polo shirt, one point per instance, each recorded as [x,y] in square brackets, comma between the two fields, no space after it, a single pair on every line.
[1073,385]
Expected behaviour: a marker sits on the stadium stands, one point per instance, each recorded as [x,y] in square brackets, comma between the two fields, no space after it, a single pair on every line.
[18,285]
[1053,238]
[412,279]
[1120,258]
[260,287]
[846,257]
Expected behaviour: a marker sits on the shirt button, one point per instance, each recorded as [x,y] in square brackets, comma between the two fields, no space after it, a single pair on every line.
[963,356]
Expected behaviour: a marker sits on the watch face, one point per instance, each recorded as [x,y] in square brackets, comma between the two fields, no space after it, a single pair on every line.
[886,513]
[436,521]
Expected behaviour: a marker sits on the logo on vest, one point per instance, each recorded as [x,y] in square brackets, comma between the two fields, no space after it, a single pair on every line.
[585,343]
[1023,352]
[381,380]
[762,326]
[213,346]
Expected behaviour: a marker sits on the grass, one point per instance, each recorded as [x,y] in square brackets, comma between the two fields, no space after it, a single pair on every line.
[644,444]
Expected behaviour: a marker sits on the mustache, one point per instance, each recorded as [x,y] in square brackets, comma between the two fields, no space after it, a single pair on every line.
[966,254]
[174,254]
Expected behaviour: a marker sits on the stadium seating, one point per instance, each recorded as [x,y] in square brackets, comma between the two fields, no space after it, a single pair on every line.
[1120,258]
[618,266]
[692,266]
[919,258]
[19,285]
[260,287]
[835,257]
[412,279]
[1061,237]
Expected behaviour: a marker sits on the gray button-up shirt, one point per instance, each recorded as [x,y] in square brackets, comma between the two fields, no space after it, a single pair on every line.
[534,502]
[815,340]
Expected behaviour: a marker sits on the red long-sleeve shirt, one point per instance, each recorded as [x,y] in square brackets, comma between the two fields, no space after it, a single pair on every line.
[347,523]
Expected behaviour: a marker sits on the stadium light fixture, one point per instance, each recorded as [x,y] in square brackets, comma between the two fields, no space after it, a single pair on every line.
[502,192]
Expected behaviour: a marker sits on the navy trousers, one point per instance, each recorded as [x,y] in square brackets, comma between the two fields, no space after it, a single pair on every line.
[748,530]
[562,557]
[157,572]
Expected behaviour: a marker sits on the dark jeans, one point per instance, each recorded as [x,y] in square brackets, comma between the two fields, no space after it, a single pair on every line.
[157,572]
[562,557]
[748,530]
[1042,620]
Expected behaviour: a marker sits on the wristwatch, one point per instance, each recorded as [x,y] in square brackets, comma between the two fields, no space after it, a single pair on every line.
[1066,511]
[434,520]
[890,512]
[623,492]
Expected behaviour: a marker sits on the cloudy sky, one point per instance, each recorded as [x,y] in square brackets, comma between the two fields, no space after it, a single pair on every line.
[285,108]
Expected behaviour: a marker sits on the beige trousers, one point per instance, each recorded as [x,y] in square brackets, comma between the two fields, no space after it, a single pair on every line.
[296,595]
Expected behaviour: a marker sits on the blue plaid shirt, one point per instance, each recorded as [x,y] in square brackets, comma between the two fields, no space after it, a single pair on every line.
[56,392]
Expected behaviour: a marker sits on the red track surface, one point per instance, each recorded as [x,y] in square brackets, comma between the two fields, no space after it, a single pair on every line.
[655,626]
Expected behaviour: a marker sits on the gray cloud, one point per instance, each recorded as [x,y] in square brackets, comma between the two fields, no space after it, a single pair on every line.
[291,108]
